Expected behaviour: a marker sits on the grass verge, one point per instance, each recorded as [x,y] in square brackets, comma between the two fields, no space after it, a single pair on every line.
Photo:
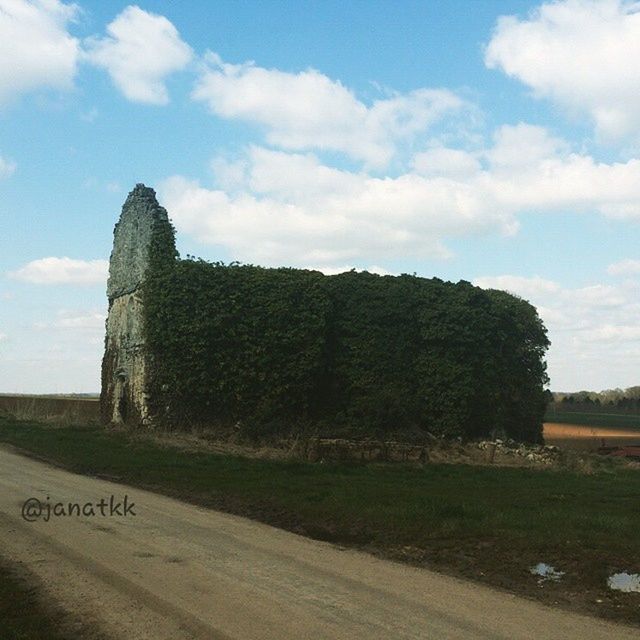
[485,523]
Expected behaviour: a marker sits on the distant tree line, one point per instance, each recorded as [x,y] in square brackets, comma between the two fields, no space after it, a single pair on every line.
[286,350]
[611,400]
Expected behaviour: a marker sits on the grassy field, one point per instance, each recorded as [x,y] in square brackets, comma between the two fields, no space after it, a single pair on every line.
[79,410]
[487,523]
[611,420]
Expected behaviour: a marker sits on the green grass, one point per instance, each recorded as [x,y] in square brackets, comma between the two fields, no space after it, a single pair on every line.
[485,522]
[611,420]
[382,504]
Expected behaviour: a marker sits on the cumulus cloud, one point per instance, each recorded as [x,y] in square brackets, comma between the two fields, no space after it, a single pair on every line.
[63,271]
[278,207]
[451,163]
[139,52]
[293,209]
[7,167]
[593,330]
[549,177]
[80,320]
[36,49]
[614,333]
[524,146]
[627,267]
[75,322]
[308,110]
[525,287]
[582,54]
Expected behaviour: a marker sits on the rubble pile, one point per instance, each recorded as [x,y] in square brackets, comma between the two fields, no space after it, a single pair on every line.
[536,453]
[365,450]
[441,450]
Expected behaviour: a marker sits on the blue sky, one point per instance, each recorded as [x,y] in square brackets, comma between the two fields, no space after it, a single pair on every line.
[495,141]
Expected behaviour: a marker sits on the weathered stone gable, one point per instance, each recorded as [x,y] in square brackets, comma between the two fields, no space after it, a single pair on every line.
[124,397]
[132,240]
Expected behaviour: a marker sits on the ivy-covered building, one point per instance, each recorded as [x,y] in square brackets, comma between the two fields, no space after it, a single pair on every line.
[282,350]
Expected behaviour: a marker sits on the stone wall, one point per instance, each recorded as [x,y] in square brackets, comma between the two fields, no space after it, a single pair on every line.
[124,396]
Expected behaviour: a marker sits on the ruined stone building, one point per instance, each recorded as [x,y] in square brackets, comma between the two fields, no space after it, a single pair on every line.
[124,368]
[196,343]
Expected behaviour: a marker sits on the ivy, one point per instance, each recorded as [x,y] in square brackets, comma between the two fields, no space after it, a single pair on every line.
[281,350]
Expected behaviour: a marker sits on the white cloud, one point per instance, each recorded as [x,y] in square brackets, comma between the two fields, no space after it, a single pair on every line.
[582,54]
[449,163]
[292,209]
[74,321]
[548,177]
[613,333]
[309,110]
[624,268]
[80,320]
[604,297]
[523,146]
[3,336]
[63,271]
[7,167]
[36,49]
[594,333]
[139,52]
[521,286]
[276,207]
[54,353]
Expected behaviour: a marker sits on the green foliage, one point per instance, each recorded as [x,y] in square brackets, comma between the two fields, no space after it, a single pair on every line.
[235,343]
[355,353]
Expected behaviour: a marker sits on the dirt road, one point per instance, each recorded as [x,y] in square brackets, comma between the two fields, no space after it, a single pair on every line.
[175,571]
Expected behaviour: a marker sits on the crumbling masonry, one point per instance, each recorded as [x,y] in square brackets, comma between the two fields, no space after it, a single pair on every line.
[124,395]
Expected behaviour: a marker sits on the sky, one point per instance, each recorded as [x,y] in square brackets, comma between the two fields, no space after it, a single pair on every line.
[496,142]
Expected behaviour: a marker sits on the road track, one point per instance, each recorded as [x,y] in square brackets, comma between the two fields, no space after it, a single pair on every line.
[177,571]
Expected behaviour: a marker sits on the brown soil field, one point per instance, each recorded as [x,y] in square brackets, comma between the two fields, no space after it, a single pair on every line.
[588,438]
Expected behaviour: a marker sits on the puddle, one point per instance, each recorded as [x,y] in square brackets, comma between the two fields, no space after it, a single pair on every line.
[546,573]
[627,582]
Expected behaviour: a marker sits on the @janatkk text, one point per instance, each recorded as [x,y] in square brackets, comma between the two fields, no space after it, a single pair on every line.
[35,509]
